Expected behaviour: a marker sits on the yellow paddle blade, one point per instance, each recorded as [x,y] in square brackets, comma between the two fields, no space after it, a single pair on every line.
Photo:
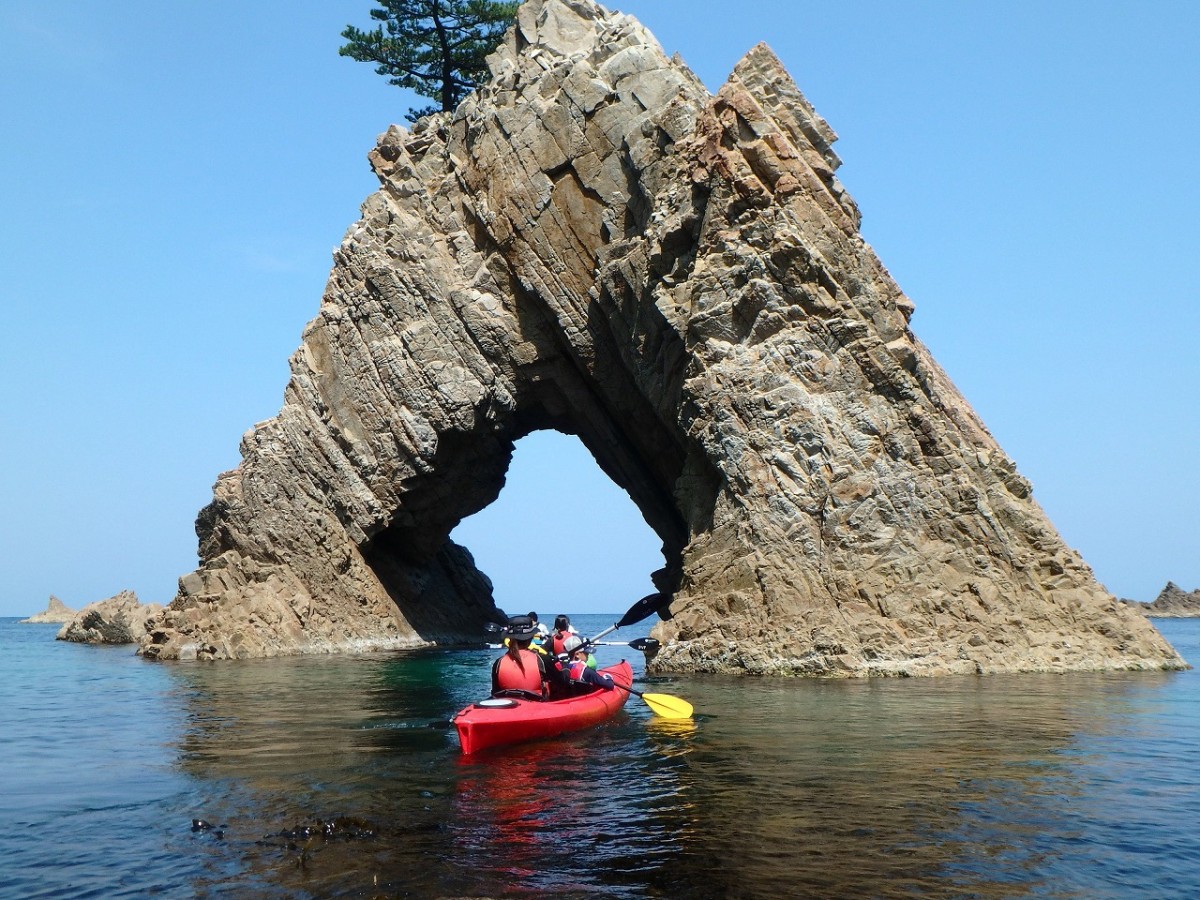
[668,706]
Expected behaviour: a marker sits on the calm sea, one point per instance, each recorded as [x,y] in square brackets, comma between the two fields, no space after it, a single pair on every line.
[337,777]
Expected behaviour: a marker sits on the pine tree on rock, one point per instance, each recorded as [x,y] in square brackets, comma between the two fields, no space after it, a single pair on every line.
[434,47]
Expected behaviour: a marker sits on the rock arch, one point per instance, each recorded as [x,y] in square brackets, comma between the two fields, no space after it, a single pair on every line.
[594,243]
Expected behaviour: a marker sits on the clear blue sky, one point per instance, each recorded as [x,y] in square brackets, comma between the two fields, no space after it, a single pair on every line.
[174,177]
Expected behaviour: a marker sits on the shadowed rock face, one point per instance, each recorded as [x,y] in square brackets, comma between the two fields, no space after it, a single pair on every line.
[594,243]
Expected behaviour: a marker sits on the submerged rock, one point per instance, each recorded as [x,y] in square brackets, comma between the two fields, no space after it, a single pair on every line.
[594,243]
[55,613]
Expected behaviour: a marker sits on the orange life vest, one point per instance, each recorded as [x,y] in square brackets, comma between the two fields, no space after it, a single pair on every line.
[524,677]
[557,641]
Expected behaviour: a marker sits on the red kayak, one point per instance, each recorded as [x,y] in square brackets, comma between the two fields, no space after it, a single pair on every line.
[505,720]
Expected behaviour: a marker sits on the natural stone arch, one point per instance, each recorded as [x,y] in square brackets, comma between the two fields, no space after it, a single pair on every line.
[594,243]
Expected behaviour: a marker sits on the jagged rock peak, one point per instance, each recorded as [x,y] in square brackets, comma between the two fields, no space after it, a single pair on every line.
[56,612]
[594,243]
[1174,602]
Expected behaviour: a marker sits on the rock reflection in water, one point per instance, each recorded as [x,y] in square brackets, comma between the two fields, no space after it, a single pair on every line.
[885,788]
[946,787]
[285,748]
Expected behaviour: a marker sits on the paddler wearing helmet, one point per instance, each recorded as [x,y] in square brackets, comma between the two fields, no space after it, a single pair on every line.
[573,643]
[580,666]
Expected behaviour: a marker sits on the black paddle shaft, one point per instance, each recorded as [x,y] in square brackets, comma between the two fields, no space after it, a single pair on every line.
[647,606]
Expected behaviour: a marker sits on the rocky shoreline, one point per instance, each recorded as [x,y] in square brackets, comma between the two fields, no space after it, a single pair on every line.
[120,619]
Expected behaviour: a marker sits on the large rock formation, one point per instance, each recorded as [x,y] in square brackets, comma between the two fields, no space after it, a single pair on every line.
[594,243]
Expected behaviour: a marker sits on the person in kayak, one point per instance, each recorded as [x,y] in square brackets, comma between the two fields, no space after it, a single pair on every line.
[573,643]
[520,671]
[542,636]
[581,668]
[562,631]
[542,630]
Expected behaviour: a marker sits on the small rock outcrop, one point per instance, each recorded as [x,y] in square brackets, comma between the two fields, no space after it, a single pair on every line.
[118,620]
[55,613]
[596,244]
[1173,602]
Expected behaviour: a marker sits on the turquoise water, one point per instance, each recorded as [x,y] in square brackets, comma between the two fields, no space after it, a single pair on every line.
[337,777]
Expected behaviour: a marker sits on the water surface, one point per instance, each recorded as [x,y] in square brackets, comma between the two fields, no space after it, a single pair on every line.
[337,776]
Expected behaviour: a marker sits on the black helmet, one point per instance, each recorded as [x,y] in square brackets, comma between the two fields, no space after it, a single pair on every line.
[520,628]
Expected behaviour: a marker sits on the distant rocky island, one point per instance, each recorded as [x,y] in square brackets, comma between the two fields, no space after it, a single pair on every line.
[55,613]
[1172,602]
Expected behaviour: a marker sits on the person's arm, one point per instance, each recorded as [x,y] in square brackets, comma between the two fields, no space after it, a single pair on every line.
[591,676]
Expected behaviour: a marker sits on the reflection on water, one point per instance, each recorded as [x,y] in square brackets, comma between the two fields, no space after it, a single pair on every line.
[339,777]
[987,787]
[879,788]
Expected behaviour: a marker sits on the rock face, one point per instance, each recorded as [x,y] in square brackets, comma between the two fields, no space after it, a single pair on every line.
[1173,602]
[117,620]
[594,243]
[55,613]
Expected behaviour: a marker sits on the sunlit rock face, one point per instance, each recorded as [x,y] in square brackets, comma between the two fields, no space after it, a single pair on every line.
[120,619]
[594,243]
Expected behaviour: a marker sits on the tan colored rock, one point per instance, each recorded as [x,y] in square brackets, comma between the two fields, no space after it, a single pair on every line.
[55,613]
[594,243]
[120,619]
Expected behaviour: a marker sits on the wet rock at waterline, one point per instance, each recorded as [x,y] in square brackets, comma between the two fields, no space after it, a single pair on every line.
[594,243]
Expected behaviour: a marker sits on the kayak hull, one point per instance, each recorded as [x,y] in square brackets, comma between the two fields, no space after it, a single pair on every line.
[482,727]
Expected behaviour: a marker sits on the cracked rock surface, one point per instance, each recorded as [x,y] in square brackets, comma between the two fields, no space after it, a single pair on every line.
[594,243]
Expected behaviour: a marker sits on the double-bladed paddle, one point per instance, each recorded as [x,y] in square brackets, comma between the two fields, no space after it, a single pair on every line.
[647,606]
[665,705]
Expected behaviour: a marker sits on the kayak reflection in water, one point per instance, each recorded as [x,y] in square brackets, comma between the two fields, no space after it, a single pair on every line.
[520,672]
